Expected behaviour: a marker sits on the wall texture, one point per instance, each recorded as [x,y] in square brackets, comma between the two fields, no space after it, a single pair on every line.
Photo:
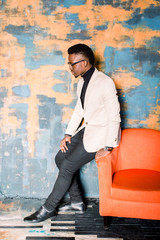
[37,91]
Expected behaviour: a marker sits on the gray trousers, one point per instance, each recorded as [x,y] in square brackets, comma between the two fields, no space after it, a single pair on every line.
[69,163]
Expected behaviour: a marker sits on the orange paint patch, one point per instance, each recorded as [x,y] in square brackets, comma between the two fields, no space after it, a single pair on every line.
[152,121]
[118,36]
[3,235]
[67,113]
[111,14]
[132,122]
[6,207]
[97,15]
[142,5]
[142,36]
[23,4]
[125,80]
[56,27]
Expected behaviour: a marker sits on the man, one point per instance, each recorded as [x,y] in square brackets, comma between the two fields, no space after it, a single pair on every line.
[98,107]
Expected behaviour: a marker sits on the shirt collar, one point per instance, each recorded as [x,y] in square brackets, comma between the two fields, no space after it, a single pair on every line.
[87,76]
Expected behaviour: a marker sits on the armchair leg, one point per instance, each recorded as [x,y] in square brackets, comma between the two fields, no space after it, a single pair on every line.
[107,221]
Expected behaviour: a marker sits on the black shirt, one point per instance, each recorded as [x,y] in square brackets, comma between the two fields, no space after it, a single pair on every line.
[87,76]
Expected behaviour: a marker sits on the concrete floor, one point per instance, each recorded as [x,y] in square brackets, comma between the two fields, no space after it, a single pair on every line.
[12,226]
[70,226]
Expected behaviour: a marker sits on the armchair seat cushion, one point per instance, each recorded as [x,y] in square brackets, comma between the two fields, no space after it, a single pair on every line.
[138,185]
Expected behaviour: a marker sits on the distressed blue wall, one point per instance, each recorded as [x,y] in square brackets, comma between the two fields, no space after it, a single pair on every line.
[38,93]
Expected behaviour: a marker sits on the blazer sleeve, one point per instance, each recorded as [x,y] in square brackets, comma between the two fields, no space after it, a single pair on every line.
[112,108]
[78,113]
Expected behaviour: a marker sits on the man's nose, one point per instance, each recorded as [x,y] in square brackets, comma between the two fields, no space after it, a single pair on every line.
[70,67]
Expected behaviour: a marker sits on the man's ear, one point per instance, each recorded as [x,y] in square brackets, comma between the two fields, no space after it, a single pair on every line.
[85,63]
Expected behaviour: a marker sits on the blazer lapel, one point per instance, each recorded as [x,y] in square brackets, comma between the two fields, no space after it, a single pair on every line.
[89,88]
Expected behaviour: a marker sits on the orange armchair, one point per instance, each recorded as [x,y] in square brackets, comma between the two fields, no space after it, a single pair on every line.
[129,177]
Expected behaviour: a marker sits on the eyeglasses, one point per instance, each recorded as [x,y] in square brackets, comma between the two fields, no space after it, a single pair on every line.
[72,64]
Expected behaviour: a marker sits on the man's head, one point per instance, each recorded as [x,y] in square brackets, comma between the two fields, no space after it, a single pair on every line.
[80,59]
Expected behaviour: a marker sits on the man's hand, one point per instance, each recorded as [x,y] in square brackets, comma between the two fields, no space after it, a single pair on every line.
[63,145]
[101,153]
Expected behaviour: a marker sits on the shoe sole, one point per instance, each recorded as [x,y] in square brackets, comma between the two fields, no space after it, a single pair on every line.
[80,212]
[74,211]
[52,218]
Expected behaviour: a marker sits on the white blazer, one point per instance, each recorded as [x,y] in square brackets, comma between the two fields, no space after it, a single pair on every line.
[101,113]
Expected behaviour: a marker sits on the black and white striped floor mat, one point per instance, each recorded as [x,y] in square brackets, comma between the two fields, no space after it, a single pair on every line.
[91,224]
[71,226]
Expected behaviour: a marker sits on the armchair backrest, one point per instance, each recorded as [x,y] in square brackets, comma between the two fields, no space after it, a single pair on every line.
[139,149]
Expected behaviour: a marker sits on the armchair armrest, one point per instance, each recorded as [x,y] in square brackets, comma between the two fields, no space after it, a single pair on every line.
[105,172]
[106,168]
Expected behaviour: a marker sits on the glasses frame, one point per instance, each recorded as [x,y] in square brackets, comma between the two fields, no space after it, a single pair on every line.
[72,64]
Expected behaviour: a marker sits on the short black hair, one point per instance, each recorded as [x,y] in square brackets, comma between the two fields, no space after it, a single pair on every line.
[82,49]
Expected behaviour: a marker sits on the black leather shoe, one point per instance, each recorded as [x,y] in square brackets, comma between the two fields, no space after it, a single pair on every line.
[39,216]
[70,206]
